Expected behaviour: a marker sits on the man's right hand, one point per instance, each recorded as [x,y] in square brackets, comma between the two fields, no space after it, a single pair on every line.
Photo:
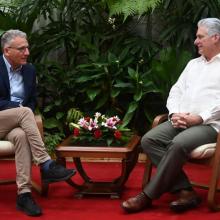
[178,120]
[185,120]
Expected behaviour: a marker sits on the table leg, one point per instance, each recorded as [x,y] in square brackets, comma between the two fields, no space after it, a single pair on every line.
[128,165]
[81,170]
[112,188]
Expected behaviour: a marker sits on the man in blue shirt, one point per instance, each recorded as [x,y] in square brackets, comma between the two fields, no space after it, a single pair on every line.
[17,122]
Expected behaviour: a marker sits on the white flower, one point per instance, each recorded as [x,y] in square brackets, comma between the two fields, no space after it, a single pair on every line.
[96,123]
[97,114]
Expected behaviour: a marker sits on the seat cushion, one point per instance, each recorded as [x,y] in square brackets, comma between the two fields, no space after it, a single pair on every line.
[203,151]
[6,148]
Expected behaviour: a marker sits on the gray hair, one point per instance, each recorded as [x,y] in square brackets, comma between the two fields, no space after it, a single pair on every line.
[9,35]
[212,25]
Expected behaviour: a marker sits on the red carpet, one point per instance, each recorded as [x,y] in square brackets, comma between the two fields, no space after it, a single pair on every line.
[61,203]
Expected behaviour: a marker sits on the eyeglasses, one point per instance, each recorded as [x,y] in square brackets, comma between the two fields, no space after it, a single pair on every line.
[20,49]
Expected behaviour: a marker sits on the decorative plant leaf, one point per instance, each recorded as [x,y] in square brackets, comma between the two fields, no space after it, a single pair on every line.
[73,115]
[138,95]
[131,7]
[127,118]
[92,93]
[132,107]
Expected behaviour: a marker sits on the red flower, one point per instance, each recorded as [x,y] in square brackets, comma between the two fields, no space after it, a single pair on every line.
[97,134]
[76,132]
[117,134]
[87,119]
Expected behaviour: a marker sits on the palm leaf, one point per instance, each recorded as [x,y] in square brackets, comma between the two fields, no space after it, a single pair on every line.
[131,7]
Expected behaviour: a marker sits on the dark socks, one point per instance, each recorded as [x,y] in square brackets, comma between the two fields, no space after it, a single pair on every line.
[45,165]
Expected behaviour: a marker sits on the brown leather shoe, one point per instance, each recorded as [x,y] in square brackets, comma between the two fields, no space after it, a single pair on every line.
[137,203]
[187,200]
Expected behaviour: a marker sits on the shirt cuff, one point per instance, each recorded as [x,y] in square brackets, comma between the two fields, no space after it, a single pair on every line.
[205,116]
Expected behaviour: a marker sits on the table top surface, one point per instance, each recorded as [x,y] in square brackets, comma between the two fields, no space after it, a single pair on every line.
[67,146]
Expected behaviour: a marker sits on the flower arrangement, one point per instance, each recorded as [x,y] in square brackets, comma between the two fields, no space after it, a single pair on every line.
[100,131]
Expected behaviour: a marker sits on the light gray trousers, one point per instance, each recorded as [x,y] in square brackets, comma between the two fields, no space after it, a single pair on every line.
[18,125]
[168,148]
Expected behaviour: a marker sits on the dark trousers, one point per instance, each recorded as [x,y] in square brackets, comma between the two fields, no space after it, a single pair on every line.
[169,148]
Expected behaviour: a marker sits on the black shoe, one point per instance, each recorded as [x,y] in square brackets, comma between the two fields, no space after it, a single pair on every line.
[187,200]
[56,173]
[26,204]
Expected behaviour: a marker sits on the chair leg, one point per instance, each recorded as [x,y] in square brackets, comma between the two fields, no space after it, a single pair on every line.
[147,173]
[44,189]
[41,189]
[7,182]
[213,187]
[36,187]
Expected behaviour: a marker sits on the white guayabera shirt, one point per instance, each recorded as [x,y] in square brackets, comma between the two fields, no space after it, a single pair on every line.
[197,91]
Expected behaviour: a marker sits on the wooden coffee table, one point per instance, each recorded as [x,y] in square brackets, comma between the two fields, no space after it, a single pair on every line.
[128,156]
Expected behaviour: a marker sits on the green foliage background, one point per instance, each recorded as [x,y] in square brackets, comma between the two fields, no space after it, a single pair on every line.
[117,57]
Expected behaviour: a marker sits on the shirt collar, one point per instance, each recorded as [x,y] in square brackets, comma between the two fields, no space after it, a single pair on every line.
[213,58]
[9,67]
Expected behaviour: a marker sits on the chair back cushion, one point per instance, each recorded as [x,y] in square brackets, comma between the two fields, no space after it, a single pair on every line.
[203,151]
[6,148]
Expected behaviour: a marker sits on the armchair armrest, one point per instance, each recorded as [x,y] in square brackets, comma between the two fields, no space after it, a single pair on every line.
[159,119]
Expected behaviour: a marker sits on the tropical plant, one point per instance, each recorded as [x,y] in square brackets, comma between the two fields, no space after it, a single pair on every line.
[73,115]
[95,60]
[167,68]
[55,84]
[135,86]
[52,140]
[109,84]
[8,14]
[178,20]
[131,7]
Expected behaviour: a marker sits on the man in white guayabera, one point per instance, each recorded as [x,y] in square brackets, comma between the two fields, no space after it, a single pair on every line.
[194,120]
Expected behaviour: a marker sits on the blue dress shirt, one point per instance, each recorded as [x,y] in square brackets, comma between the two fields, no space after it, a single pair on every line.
[16,83]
